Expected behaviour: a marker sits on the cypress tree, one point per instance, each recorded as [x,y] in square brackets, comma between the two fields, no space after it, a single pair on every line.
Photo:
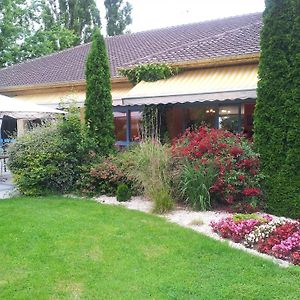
[276,113]
[98,103]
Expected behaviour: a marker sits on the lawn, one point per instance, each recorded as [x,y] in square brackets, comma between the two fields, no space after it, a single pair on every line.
[57,248]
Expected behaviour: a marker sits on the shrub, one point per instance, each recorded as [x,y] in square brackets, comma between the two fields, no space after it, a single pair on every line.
[231,156]
[48,158]
[150,169]
[195,184]
[244,207]
[123,192]
[105,177]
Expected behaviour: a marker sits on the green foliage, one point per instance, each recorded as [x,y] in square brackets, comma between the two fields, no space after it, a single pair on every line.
[195,184]
[98,103]
[243,217]
[118,16]
[283,194]
[149,72]
[150,169]
[277,113]
[123,193]
[80,17]
[30,29]
[154,116]
[48,158]
[14,27]
[163,201]
[44,42]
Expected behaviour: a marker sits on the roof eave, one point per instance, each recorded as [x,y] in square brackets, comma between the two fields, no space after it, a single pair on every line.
[72,84]
[219,61]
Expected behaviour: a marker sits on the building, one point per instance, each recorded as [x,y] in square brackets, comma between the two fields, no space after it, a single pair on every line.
[217,85]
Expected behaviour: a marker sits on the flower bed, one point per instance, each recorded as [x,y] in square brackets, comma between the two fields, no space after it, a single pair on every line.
[278,237]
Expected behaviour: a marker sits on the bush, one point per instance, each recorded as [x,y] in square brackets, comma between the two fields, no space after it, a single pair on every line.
[105,177]
[231,156]
[150,163]
[48,158]
[123,192]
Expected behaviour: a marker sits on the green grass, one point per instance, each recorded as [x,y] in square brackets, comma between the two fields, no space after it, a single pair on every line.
[56,248]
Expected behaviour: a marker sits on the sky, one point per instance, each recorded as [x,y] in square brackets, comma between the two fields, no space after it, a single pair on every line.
[152,14]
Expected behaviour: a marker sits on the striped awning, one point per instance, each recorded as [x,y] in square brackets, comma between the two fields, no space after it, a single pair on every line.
[214,84]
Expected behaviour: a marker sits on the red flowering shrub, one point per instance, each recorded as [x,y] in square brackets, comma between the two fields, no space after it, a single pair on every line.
[238,177]
[243,208]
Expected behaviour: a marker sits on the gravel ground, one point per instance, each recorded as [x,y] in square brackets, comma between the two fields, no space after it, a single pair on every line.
[198,221]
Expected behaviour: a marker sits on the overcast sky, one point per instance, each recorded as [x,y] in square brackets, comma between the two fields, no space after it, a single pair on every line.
[151,14]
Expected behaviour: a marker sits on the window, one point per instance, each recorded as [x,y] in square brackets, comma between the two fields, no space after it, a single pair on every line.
[229,118]
[120,125]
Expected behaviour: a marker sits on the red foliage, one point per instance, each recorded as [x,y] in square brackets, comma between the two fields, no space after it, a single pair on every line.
[230,154]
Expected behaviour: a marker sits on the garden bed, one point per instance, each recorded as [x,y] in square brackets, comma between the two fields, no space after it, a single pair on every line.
[275,236]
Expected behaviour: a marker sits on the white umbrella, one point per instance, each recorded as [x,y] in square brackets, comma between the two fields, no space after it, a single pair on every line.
[25,110]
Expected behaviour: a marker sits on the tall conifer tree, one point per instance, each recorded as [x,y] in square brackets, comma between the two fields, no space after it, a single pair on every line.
[277,108]
[98,103]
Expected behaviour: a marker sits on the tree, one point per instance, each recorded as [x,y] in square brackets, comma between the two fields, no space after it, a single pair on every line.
[118,16]
[98,103]
[30,29]
[277,112]
[79,16]
[14,27]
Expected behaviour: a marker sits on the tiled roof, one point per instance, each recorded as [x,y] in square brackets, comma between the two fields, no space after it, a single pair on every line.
[225,37]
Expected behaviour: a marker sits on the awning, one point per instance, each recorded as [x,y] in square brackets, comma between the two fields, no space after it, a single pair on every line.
[24,110]
[214,84]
